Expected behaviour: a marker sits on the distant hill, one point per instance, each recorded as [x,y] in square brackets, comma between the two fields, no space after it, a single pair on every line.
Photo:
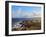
[21,19]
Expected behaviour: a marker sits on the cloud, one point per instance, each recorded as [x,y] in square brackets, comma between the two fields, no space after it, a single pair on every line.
[32,14]
[24,14]
[16,13]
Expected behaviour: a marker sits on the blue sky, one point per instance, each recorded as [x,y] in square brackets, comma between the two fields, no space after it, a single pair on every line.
[25,11]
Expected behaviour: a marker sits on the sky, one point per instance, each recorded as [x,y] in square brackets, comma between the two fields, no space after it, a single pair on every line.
[25,11]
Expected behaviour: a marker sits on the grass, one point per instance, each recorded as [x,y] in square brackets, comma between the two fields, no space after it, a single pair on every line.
[29,25]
